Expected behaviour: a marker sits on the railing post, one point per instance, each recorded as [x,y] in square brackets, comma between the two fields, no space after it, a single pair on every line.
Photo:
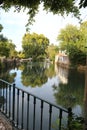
[9,101]
[34,113]
[3,97]
[60,119]
[22,116]
[69,117]
[6,98]
[28,98]
[18,106]
[13,110]
[50,116]
[41,115]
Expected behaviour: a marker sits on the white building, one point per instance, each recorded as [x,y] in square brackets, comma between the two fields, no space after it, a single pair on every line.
[61,57]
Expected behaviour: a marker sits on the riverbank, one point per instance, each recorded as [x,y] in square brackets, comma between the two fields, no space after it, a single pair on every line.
[82,68]
[68,66]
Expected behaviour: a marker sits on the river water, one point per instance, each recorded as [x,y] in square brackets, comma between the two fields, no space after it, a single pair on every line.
[64,87]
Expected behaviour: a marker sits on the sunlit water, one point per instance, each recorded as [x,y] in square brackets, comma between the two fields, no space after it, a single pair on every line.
[55,84]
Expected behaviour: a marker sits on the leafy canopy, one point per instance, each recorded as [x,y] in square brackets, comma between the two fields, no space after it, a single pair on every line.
[55,6]
[51,51]
[34,45]
[7,48]
[73,39]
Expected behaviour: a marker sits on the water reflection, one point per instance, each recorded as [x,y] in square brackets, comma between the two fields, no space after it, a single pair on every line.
[6,75]
[85,100]
[62,74]
[33,75]
[71,92]
[61,86]
[36,74]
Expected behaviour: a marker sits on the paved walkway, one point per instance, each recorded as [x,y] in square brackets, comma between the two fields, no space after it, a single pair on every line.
[4,123]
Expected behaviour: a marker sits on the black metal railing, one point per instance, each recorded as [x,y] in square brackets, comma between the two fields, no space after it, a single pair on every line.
[29,112]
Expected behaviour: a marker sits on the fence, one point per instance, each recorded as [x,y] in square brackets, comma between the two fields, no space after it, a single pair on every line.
[29,112]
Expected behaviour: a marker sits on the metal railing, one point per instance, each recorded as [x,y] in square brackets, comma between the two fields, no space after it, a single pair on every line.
[29,112]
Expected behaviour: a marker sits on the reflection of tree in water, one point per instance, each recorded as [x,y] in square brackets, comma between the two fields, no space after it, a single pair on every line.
[50,71]
[34,75]
[70,94]
[5,74]
[85,98]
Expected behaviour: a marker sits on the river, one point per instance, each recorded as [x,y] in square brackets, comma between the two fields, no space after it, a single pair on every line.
[64,87]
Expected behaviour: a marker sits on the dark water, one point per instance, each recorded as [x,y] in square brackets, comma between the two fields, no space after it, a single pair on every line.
[50,82]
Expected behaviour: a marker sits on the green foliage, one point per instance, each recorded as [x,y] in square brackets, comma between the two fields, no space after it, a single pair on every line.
[76,56]
[51,51]
[76,123]
[55,6]
[73,39]
[21,55]
[34,46]
[4,50]
[1,27]
[12,52]
[7,48]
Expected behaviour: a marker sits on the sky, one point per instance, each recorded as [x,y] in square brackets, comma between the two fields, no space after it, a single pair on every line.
[45,23]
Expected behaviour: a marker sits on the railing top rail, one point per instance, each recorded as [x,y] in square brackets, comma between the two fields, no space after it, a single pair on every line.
[57,106]
[54,105]
[6,82]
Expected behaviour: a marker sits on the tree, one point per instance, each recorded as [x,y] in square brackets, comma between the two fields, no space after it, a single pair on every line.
[69,35]
[7,48]
[34,45]
[55,6]
[73,40]
[4,50]
[1,27]
[12,46]
[51,51]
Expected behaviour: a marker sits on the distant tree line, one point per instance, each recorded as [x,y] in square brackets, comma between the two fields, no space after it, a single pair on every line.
[72,39]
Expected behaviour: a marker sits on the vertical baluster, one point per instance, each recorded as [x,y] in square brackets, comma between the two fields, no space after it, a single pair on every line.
[6,98]
[41,115]
[22,109]
[0,92]
[34,113]
[9,100]
[60,119]
[3,97]
[50,116]
[13,105]
[28,96]
[17,106]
